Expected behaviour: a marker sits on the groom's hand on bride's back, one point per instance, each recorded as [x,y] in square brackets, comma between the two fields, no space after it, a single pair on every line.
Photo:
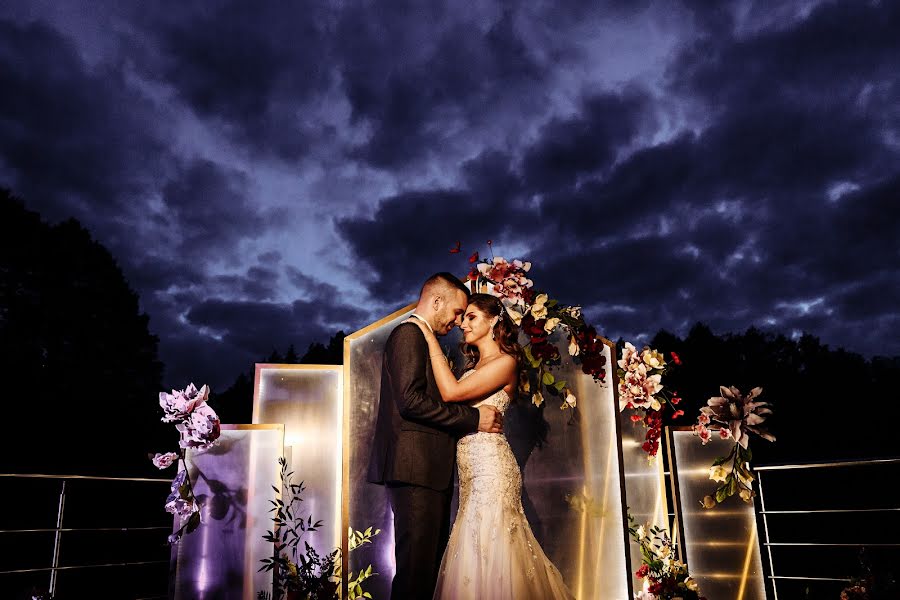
[490,420]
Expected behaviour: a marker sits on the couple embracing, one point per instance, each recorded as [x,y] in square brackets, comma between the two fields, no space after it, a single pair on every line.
[426,417]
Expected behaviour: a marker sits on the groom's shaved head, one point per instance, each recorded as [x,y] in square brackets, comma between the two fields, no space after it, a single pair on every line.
[440,283]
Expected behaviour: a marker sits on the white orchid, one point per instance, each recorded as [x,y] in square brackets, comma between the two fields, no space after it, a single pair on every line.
[551,324]
[574,350]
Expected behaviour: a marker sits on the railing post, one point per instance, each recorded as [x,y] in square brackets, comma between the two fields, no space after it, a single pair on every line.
[762,504]
[58,537]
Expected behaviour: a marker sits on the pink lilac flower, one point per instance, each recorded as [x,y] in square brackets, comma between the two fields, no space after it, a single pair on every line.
[164,461]
[181,403]
[200,429]
[739,413]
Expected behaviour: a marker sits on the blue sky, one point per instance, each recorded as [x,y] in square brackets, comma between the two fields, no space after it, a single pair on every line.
[269,173]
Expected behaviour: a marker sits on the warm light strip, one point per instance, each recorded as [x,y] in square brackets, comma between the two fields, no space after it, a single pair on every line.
[610,461]
[581,550]
[585,522]
[339,463]
[751,546]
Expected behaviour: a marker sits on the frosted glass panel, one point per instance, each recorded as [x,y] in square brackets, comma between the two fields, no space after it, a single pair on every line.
[307,399]
[645,485]
[233,481]
[720,544]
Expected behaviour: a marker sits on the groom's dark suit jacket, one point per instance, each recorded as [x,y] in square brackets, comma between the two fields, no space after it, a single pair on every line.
[416,431]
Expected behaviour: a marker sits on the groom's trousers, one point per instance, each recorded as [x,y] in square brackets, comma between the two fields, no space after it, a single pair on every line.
[421,531]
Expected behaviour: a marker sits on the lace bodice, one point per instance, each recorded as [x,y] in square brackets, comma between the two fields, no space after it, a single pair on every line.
[499,399]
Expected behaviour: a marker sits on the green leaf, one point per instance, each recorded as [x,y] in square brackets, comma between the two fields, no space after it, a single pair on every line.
[559,385]
[193,522]
[548,378]
[723,491]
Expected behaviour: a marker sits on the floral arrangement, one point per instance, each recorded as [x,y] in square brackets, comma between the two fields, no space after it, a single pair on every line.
[198,427]
[641,389]
[665,577]
[538,317]
[871,583]
[306,575]
[737,416]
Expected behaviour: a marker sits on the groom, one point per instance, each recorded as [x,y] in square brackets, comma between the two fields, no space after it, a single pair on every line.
[415,439]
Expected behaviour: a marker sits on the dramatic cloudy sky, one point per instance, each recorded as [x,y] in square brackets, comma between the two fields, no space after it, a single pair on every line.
[267,173]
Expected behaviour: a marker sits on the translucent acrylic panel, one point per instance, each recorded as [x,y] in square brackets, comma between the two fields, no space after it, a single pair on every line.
[234,482]
[307,399]
[720,544]
[365,504]
[645,485]
[572,482]
[576,485]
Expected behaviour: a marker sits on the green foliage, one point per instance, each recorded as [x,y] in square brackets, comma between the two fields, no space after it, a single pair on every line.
[306,575]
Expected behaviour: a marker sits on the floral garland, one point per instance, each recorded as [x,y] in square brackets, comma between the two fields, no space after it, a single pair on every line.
[198,427]
[538,317]
[737,416]
[641,389]
[665,577]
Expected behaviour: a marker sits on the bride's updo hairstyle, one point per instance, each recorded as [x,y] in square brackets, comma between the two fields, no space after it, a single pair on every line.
[506,333]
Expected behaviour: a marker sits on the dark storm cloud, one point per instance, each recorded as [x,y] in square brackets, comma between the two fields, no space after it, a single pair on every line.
[207,335]
[408,82]
[210,208]
[780,211]
[256,327]
[76,141]
[410,235]
[586,144]
[251,68]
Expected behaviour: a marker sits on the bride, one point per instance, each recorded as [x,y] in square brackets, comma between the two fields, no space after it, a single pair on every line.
[492,552]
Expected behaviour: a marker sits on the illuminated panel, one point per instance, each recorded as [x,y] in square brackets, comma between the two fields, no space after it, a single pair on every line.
[221,558]
[720,544]
[582,461]
[366,505]
[645,488]
[579,465]
[307,399]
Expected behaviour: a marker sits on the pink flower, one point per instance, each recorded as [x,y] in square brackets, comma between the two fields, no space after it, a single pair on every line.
[741,414]
[703,432]
[629,357]
[180,403]
[201,429]
[164,461]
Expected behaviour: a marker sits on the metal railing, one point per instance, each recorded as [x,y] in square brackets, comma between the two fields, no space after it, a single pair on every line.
[55,568]
[776,501]
[827,509]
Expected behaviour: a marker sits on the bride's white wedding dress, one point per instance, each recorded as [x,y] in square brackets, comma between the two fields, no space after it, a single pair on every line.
[492,553]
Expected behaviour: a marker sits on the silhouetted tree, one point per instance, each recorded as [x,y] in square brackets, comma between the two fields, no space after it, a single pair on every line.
[235,405]
[290,357]
[79,365]
[332,354]
[826,402]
